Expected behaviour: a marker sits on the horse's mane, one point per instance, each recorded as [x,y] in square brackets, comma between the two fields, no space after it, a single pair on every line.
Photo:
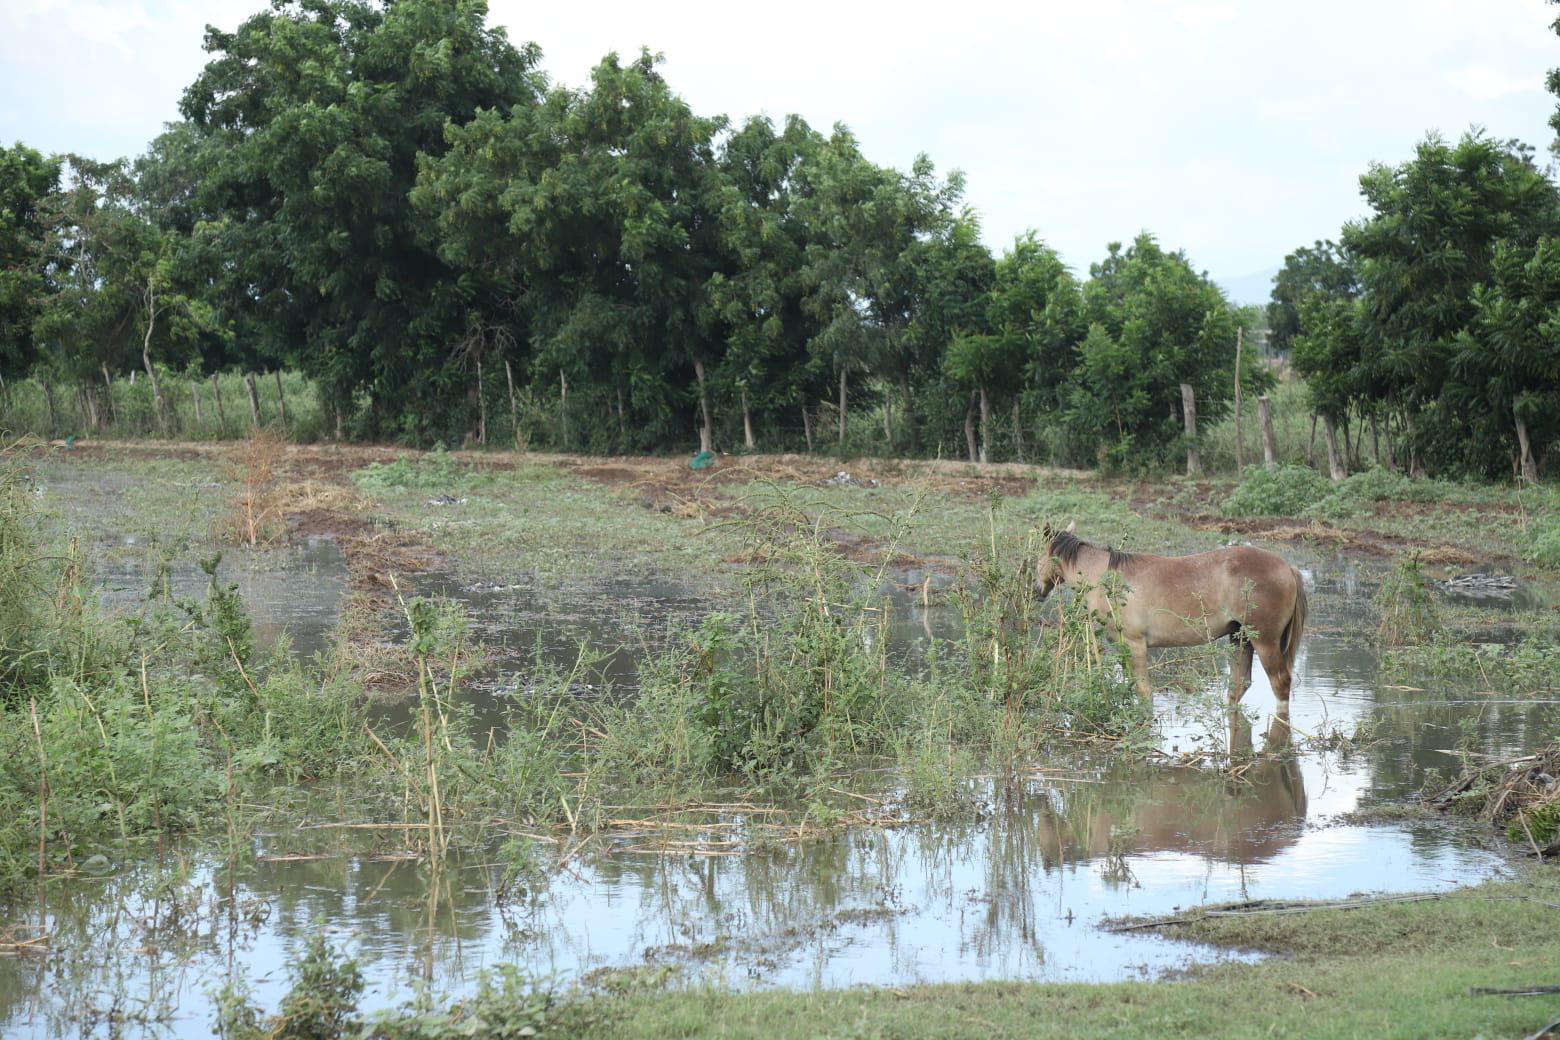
[1065,546]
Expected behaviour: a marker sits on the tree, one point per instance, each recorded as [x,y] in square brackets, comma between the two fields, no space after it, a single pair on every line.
[1506,364]
[1431,239]
[27,180]
[759,291]
[597,209]
[1319,268]
[310,119]
[113,303]
[1036,308]
[1154,323]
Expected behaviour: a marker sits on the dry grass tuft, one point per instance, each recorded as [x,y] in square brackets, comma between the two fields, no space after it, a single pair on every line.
[256,516]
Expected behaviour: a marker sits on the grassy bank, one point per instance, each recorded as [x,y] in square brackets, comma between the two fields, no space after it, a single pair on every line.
[1404,969]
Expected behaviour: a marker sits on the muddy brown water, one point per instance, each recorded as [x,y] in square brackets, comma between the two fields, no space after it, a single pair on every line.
[1015,892]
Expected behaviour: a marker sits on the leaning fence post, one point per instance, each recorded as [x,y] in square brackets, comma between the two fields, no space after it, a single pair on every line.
[1189,412]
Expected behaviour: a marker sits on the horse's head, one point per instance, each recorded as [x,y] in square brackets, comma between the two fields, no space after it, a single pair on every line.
[1050,574]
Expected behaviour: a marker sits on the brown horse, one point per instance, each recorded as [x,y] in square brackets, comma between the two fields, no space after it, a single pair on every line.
[1246,593]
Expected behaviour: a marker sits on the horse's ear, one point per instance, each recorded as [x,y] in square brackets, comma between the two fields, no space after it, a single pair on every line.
[1072,527]
[1047,531]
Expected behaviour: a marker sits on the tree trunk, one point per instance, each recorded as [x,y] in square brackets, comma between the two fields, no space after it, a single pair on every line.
[563,408]
[844,404]
[969,430]
[1310,447]
[807,426]
[195,396]
[706,430]
[514,407]
[1336,467]
[1416,465]
[985,427]
[622,420]
[1525,446]
[1240,450]
[281,399]
[108,391]
[912,427]
[48,402]
[254,400]
[1269,442]
[90,402]
[336,414]
[747,423]
[1018,431]
[1375,440]
[146,356]
[888,423]
[216,393]
[481,406]
[1189,412]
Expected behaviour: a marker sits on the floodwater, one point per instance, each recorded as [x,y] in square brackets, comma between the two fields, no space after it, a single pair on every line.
[294,592]
[1014,892]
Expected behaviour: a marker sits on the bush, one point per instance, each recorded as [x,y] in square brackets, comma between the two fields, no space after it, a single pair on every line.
[1276,491]
[1408,610]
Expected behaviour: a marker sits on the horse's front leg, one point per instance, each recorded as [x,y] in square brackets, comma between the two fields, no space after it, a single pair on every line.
[1138,647]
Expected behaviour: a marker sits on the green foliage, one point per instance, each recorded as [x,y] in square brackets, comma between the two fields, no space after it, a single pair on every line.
[27,180]
[1153,323]
[321,1003]
[1543,545]
[1276,491]
[308,125]
[1409,614]
[435,471]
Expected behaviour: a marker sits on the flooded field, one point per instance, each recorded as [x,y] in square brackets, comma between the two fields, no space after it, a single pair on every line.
[1016,889]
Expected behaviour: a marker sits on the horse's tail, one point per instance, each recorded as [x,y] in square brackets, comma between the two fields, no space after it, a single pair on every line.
[1289,642]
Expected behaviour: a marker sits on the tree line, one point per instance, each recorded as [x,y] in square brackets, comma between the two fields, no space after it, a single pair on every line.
[394,200]
[1434,322]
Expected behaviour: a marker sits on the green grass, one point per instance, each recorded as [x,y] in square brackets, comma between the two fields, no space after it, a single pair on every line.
[537,518]
[1398,970]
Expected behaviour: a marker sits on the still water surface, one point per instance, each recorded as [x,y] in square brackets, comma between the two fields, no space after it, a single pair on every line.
[1016,892]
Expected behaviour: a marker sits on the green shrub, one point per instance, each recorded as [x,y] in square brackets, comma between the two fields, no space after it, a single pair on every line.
[1276,491]
[1543,544]
[437,470]
[1409,614]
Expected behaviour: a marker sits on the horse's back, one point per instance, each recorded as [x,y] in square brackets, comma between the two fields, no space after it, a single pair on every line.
[1188,599]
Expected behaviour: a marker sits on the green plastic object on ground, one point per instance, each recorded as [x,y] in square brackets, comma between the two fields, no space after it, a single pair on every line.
[703,460]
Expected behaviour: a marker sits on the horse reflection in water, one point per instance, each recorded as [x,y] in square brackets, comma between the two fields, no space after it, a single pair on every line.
[1235,816]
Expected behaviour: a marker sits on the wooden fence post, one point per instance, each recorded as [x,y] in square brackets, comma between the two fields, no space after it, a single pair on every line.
[1240,451]
[254,399]
[1269,442]
[1189,413]
[281,399]
[216,392]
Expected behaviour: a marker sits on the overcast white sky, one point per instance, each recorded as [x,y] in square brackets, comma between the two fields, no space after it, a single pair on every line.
[1234,130]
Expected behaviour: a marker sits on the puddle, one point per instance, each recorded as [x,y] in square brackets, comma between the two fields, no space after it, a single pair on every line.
[1018,893]
[296,590]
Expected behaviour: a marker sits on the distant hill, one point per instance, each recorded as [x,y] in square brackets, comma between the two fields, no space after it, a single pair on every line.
[1255,287]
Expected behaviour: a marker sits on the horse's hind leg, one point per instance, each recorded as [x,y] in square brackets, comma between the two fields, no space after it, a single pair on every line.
[1277,668]
[1240,669]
